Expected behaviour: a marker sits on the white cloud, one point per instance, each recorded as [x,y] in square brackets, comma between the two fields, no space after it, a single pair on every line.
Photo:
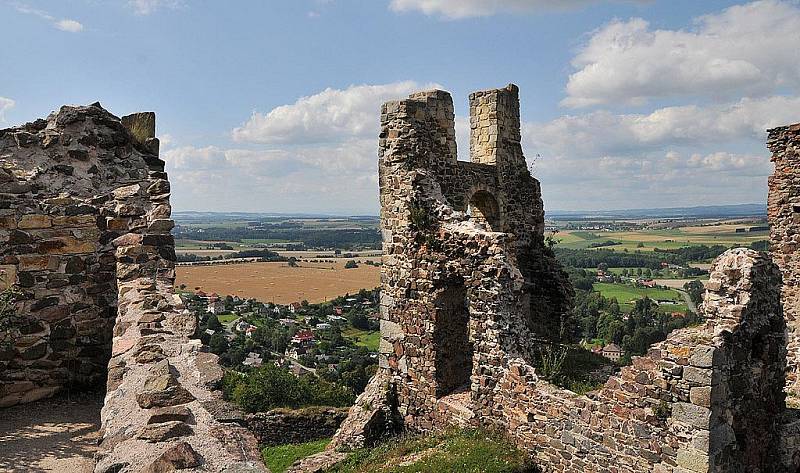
[71,26]
[329,116]
[457,9]
[65,24]
[744,50]
[602,132]
[6,104]
[297,179]
[146,7]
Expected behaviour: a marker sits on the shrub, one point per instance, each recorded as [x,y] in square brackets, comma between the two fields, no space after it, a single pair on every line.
[269,387]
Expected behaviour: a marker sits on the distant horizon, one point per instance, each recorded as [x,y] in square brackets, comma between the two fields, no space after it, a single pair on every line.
[547,212]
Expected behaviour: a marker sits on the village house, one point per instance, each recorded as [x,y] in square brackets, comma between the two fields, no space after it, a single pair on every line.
[216,307]
[612,351]
[253,360]
[294,307]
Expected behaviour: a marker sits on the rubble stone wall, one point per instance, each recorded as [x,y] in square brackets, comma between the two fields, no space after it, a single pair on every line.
[708,398]
[84,203]
[282,426]
[69,185]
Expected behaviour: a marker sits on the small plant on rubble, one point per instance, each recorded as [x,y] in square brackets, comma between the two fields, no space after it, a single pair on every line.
[551,362]
[9,319]
[662,410]
[420,217]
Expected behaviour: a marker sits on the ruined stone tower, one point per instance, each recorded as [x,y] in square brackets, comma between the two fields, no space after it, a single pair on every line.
[463,240]
[470,294]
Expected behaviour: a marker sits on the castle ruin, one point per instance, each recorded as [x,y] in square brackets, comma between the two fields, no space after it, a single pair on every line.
[470,294]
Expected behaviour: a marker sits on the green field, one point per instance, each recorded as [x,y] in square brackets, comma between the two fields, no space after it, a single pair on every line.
[364,338]
[648,240]
[627,295]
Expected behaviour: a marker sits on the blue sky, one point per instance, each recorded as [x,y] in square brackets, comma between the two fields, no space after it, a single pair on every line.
[273,105]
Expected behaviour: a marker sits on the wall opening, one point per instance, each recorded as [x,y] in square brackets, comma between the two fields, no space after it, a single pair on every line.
[484,209]
[451,340]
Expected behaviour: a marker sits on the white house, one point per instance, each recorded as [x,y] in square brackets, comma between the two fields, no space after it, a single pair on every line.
[216,307]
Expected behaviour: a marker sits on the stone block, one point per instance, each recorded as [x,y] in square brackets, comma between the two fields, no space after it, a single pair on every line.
[180,456]
[32,221]
[693,460]
[696,416]
[8,276]
[164,431]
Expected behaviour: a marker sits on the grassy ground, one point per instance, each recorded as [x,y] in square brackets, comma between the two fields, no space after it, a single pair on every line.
[281,457]
[227,318]
[364,338]
[457,451]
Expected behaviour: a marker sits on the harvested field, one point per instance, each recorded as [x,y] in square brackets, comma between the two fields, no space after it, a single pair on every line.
[279,283]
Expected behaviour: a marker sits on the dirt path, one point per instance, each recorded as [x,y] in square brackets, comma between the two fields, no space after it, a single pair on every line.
[51,435]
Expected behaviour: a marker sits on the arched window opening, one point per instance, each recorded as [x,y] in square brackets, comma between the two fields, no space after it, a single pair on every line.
[484,209]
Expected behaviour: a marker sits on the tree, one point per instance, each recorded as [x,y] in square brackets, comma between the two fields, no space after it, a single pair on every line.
[695,290]
[350,264]
[292,262]
[218,344]
[213,323]
[359,320]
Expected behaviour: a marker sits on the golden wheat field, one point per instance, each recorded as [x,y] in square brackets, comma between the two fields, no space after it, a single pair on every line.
[279,283]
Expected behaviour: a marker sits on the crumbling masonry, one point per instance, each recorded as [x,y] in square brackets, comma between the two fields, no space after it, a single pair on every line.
[470,292]
[85,237]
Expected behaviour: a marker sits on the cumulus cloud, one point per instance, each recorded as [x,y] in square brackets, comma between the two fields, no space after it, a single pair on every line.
[602,132]
[457,9]
[331,115]
[65,24]
[673,156]
[744,50]
[293,179]
[146,7]
[6,104]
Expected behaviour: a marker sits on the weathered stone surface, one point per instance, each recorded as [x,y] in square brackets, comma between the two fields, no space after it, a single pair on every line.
[164,431]
[181,456]
[171,396]
[172,413]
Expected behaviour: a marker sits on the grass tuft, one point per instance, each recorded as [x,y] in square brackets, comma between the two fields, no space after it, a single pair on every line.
[281,457]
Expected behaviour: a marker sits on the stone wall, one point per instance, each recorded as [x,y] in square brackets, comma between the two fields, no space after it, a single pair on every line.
[84,203]
[69,185]
[709,398]
[783,208]
[282,426]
